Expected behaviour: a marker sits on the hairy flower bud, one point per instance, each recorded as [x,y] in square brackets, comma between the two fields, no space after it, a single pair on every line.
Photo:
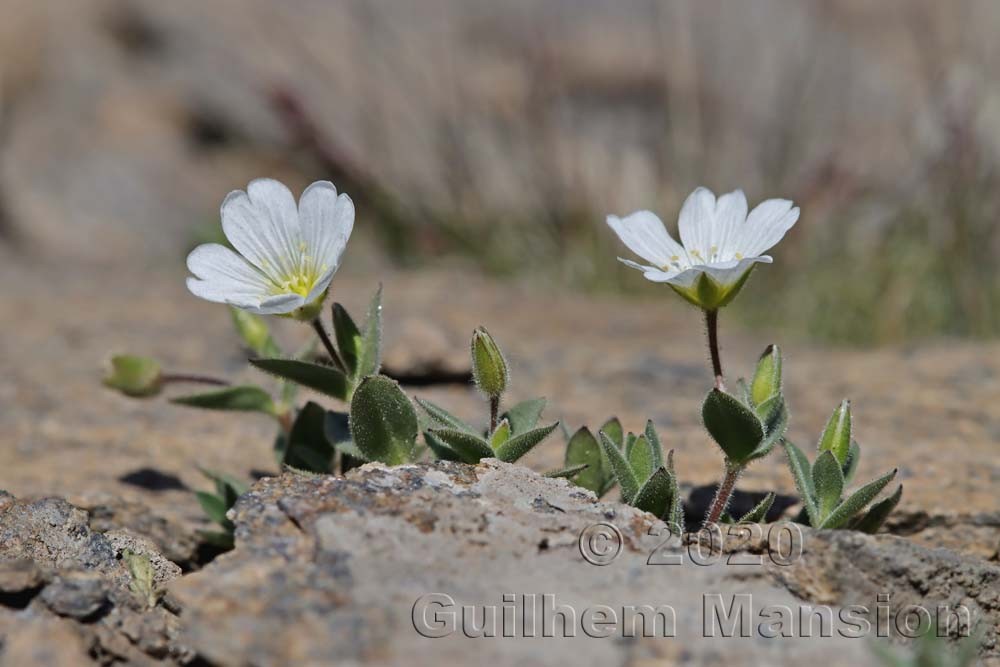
[767,378]
[134,376]
[489,368]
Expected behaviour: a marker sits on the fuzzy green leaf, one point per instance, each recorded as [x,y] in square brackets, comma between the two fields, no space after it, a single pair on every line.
[443,417]
[774,416]
[675,517]
[828,480]
[383,421]
[732,425]
[521,444]
[614,431]
[567,472]
[630,440]
[836,436]
[227,487]
[441,451]
[857,502]
[653,438]
[584,449]
[370,354]
[349,341]
[247,398]
[767,378]
[760,510]
[308,447]
[525,415]
[802,474]
[500,435]
[655,496]
[850,466]
[623,471]
[213,506]
[640,459]
[878,513]
[324,379]
[468,446]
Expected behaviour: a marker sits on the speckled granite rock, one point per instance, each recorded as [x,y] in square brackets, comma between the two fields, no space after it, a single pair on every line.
[331,570]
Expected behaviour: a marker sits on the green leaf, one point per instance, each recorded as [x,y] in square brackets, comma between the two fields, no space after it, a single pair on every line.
[349,341]
[767,378]
[630,440]
[248,398]
[583,449]
[802,474]
[337,427]
[836,436]
[213,506]
[254,332]
[760,510]
[743,392]
[500,435]
[640,459]
[370,355]
[443,417]
[134,376]
[567,472]
[850,466]
[469,446]
[623,471]
[525,415]
[489,367]
[227,487]
[878,513]
[383,421]
[222,539]
[521,444]
[308,447]
[442,451]
[613,429]
[732,425]
[857,502]
[774,416]
[655,495]
[324,379]
[653,438]
[675,517]
[140,568]
[828,480]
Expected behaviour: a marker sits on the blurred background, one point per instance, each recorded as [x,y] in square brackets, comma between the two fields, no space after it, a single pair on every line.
[498,134]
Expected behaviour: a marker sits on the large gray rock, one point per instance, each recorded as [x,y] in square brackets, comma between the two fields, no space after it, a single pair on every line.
[348,570]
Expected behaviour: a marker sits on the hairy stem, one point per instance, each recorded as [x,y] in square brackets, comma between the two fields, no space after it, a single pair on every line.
[724,493]
[494,410]
[712,324]
[328,344]
[197,379]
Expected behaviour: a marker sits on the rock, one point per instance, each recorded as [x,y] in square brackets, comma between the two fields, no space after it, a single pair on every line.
[175,541]
[78,594]
[44,640]
[19,576]
[329,570]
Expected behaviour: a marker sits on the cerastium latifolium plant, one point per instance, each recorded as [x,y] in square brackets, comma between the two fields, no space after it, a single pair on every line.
[721,245]
[509,436]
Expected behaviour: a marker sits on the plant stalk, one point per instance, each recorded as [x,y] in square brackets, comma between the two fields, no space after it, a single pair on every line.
[712,324]
[197,379]
[494,410]
[724,493]
[328,344]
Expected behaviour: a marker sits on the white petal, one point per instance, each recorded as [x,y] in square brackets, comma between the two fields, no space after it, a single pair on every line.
[730,216]
[766,225]
[727,273]
[277,305]
[326,220]
[216,263]
[262,228]
[697,221]
[224,292]
[645,235]
[683,278]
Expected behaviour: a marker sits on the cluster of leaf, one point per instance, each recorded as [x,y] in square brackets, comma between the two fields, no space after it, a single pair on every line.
[931,650]
[583,449]
[821,484]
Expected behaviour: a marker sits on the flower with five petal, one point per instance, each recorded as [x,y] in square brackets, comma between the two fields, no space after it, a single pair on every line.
[285,256]
[721,244]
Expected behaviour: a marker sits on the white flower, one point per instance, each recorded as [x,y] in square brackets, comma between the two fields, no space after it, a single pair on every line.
[286,255]
[721,244]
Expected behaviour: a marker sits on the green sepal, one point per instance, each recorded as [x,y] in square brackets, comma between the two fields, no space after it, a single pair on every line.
[767,378]
[857,502]
[525,415]
[254,332]
[655,495]
[583,449]
[623,471]
[442,417]
[370,354]
[471,448]
[878,513]
[349,341]
[640,459]
[489,367]
[567,472]
[134,376]
[759,511]
[837,434]
[324,379]
[519,445]
[383,421]
[307,446]
[802,474]
[733,426]
[244,398]
[500,435]
[709,294]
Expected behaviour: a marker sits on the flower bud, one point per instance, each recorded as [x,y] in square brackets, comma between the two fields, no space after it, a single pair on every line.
[489,368]
[253,332]
[767,378]
[134,376]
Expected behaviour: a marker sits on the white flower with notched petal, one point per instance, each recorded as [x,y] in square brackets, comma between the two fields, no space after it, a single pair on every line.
[722,244]
[286,255]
